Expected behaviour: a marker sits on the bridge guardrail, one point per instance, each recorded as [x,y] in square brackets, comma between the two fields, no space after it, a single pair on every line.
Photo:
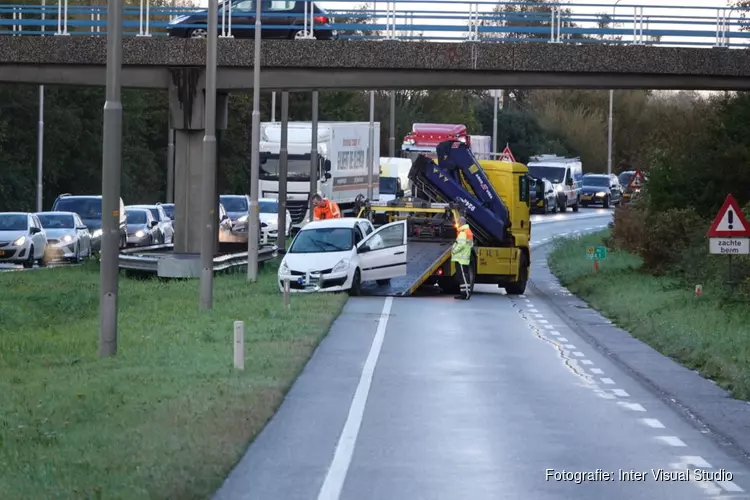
[463,21]
[133,259]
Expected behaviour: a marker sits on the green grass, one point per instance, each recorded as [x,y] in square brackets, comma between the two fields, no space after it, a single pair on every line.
[168,417]
[702,333]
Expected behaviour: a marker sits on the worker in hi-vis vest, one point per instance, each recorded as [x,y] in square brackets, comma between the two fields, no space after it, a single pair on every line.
[461,255]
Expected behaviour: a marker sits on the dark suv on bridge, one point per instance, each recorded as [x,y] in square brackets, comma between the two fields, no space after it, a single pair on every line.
[281,19]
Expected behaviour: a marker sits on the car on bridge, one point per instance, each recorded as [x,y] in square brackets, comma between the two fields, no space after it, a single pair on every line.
[281,19]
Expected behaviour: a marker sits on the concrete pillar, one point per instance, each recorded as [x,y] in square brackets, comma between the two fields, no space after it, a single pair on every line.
[187,110]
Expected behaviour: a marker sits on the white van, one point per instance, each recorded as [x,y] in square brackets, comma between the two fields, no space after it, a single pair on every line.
[565,174]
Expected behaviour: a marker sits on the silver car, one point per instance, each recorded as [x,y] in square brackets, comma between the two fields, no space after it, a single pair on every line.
[142,227]
[68,237]
[22,239]
[164,226]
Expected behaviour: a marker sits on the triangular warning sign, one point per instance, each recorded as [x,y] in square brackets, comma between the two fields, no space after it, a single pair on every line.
[636,182]
[507,155]
[729,222]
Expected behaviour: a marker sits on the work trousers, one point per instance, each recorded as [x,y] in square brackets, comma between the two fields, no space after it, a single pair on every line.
[463,275]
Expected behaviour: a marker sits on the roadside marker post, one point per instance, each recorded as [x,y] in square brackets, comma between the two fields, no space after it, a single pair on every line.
[698,290]
[729,233]
[239,345]
[287,295]
[596,254]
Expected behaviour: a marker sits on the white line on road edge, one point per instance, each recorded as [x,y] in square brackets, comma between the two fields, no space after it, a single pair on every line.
[587,362]
[597,371]
[671,440]
[334,482]
[620,392]
[652,422]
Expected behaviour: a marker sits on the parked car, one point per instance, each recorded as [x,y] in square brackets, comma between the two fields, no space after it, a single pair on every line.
[89,209]
[143,229]
[269,218]
[600,189]
[236,205]
[543,196]
[22,239]
[280,19]
[340,254]
[164,226]
[67,236]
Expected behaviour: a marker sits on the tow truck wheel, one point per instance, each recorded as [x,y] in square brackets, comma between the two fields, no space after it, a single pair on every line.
[575,207]
[356,288]
[519,287]
[564,205]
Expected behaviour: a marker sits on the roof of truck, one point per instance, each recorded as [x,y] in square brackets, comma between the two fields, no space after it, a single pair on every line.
[514,167]
[438,128]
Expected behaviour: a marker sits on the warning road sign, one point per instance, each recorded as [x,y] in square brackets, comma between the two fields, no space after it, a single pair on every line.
[507,155]
[637,181]
[729,222]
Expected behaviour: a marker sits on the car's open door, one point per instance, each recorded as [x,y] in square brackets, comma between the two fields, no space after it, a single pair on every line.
[382,254]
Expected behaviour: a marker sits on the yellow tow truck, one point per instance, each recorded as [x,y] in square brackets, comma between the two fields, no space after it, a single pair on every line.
[494,196]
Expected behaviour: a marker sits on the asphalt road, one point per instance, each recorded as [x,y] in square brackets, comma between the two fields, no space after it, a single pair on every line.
[432,398]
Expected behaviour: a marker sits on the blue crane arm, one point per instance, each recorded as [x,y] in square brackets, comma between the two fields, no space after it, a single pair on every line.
[441,185]
[455,155]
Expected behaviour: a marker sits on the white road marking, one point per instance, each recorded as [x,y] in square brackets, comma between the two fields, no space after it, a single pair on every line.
[587,362]
[554,332]
[570,346]
[597,371]
[607,381]
[527,300]
[671,440]
[549,327]
[694,460]
[631,406]
[539,315]
[620,392]
[532,310]
[578,354]
[334,481]
[652,422]
[729,485]
[562,339]
[522,296]
[529,305]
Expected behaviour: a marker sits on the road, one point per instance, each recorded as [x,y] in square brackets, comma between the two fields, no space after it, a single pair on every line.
[432,398]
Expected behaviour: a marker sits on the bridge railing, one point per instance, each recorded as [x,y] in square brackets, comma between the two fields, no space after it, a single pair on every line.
[415,20]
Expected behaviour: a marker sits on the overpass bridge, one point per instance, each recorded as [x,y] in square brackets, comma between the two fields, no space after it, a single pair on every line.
[466,45]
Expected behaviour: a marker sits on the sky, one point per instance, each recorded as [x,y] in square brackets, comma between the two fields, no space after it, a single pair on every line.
[657,14]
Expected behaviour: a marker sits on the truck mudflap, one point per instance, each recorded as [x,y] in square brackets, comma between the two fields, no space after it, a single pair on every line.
[438,183]
[423,259]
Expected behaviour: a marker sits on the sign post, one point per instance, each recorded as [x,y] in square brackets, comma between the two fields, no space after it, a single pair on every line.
[596,254]
[730,232]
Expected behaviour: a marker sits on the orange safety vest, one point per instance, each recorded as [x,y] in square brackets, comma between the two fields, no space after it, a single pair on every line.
[328,210]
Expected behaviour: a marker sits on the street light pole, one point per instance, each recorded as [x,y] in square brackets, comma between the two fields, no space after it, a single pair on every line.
[111,171]
[208,243]
[253,221]
[494,121]
[392,138]
[371,148]
[611,106]
[40,135]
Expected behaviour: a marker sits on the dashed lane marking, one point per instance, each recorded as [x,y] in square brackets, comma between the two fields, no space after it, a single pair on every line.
[578,354]
[631,406]
[620,392]
[570,346]
[597,371]
[587,362]
[607,381]
[652,422]
[562,339]
[671,440]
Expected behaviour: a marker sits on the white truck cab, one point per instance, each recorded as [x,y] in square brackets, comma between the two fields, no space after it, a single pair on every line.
[565,174]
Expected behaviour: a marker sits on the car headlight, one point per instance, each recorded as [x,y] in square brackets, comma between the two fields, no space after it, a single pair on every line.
[67,238]
[559,188]
[140,234]
[97,233]
[343,265]
[20,241]
[601,193]
[283,268]
[242,219]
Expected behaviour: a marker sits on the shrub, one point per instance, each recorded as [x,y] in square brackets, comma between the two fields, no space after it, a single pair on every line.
[629,227]
[668,235]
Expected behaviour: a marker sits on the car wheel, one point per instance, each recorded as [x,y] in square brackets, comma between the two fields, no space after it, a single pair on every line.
[197,33]
[519,287]
[575,207]
[554,208]
[564,205]
[29,262]
[298,35]
[356,288]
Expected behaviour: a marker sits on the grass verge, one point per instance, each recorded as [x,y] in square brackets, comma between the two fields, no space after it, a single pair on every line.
[703,333]
[168,417]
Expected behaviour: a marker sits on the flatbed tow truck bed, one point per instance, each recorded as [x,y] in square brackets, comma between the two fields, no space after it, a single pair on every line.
[423,258]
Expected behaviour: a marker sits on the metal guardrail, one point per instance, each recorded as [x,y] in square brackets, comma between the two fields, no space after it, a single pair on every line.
[483,21]
[146,259]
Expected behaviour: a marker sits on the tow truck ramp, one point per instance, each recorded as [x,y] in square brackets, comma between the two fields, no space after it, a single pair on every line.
[423,259]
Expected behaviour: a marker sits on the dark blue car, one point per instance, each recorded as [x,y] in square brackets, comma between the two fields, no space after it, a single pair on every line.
[281,19]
